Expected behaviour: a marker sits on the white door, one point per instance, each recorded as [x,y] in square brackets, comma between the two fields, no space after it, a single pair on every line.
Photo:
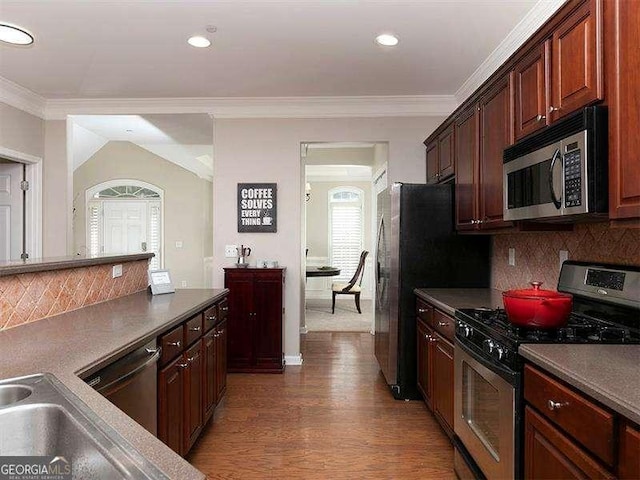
[11,210]
[125,226]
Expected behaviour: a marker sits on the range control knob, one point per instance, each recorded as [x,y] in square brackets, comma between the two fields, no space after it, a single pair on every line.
[467,331]
[499,351]
[488,346]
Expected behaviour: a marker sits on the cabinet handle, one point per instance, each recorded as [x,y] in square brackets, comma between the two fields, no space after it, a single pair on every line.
[540,117]
[433,339]
[174,344]
[190,359]
[556,405]
[195,329]
[221,332]
[182,365]
[422,310]
[225,309]
[443,324]
[553,109]
[427,336]
[211,318]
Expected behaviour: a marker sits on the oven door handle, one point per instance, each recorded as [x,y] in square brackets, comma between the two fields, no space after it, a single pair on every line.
[556,201]
[506,373]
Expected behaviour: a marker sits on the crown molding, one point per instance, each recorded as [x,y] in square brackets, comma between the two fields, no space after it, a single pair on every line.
[21,98]
[532,21]
[261,107]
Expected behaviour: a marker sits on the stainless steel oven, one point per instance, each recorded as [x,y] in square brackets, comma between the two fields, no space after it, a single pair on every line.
[484,414]
[560,171]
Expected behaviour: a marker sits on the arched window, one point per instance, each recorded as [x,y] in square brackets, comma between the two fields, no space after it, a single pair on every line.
[125,216]
[346,229]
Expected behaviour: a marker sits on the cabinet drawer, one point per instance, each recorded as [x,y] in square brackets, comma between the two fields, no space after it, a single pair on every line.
[424,311]
[444,324]
[210,317]
[223,309]
[172,344]
[193,329]
[585,421]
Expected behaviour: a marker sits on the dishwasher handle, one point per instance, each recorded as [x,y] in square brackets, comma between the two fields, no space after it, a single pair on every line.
[128,374]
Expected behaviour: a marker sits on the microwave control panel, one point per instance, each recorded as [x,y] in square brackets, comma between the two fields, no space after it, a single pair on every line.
[572,179]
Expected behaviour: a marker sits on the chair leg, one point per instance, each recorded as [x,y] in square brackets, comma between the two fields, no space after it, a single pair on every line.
[357,295]
[333,302]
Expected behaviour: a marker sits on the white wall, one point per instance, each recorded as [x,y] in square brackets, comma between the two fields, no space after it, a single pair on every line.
[21,131]
[187,205]
[268,150]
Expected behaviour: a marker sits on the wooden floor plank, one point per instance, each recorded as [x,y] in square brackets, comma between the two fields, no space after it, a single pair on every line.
[333,418]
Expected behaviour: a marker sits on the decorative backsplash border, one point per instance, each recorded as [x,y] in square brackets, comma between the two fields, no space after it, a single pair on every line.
[28,297]
[538,254]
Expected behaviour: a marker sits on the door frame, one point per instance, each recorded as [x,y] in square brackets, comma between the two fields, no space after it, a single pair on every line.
[33,209]
[91,191]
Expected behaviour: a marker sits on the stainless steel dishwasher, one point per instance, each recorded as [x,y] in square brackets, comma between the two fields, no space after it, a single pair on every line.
[131,384]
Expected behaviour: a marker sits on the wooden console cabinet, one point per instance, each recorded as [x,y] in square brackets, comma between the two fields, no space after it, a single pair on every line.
[256,313]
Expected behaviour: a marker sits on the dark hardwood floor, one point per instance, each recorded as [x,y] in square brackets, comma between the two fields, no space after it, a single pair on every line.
[333,418]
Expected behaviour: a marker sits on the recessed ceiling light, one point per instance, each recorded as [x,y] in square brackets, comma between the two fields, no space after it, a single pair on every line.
[128,130]
[199,42]
[15,35]
[387,40]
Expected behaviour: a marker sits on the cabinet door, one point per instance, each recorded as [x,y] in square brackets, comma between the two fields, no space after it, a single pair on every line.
[577,61]
[221,360]
[443,381]
[209,370]
[629,464]
[432,162]
[171,405]
[530,85]
[193,395]
[548,454]
[267,320]
[446,148]
[495,135]
[240,319]
[466,142]
[425,363]
[623,98]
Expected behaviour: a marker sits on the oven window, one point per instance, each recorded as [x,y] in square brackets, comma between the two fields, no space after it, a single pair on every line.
[480,409]
[529,186]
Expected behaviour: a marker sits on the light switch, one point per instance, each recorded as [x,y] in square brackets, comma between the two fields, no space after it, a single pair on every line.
[230,251]
[512,257]
[116,271]
[179,244]
[183,284]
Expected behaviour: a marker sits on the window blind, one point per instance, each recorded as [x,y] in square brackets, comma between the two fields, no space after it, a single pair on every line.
[94,228]
[346,239]
[154,235]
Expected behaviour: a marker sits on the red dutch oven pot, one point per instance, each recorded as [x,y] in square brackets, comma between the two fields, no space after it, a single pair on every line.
[537,308]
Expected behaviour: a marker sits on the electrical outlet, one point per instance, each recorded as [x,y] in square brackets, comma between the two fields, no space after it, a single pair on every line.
[230,251]
[564,255]
[179,244]
[183,284]
[116,271]
[512,257]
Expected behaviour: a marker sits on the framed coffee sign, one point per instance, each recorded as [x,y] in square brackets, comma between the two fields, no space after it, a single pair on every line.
[257,207]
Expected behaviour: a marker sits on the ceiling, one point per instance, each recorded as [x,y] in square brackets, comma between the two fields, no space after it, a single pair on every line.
[268,48]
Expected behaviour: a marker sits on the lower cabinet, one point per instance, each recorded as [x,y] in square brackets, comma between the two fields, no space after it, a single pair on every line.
[435,362]
[191,384]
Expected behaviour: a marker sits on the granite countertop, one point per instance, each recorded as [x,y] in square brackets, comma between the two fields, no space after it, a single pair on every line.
[607,373]
[31,265]
[83,341]
[450,299]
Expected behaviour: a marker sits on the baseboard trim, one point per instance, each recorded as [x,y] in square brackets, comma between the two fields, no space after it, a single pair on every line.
[293,359]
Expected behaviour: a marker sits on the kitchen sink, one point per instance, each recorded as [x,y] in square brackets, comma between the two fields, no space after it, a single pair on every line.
[41,417]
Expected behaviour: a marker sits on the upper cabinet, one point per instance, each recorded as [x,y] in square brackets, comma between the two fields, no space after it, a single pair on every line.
[466,152]
[439,157]
[562,73]
[622,51]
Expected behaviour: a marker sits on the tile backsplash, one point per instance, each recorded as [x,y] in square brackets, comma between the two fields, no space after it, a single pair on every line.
[28,297]
[537,253]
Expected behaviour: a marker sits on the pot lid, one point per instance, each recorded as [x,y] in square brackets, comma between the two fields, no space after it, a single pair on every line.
[536,292]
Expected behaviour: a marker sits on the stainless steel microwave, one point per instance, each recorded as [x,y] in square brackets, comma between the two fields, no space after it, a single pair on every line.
[560,172]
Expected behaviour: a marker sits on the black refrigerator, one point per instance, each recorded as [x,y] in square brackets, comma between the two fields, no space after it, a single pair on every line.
[418,247]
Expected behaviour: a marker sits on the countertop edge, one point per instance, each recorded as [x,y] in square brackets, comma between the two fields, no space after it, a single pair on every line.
[586,386]
[62,263]
[434,301]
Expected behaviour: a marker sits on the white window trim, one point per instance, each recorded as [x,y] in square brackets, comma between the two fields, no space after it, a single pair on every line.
[91,191]
[330,194]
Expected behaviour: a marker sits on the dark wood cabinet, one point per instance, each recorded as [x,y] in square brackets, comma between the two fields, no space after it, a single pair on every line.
[496,133]
[576,67]
[443,381]
[171,405]
[530,90]
[629,461]
[621,32]
[209,388]
[466,158]
[193,394]
[548,454]
[440,157]
[221,360]
[425,361]
[255,319]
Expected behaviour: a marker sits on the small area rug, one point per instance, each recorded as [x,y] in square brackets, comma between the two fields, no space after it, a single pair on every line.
[346,319]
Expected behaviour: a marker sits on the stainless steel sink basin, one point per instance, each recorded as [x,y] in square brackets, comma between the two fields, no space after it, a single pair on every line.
[13,393]
[44,418]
